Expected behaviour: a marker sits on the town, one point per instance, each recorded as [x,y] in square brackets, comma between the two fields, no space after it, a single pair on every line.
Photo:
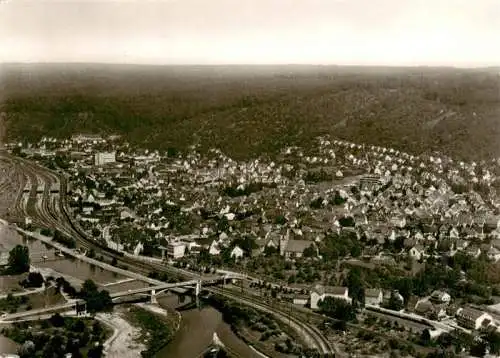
[400,251]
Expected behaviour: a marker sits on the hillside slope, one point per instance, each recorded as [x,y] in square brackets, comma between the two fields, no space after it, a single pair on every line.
[250,110]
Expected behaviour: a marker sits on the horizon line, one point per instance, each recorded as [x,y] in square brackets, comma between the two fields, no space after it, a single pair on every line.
[476,67]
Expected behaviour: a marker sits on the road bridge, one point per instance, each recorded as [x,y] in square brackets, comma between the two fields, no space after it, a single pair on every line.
[154,291]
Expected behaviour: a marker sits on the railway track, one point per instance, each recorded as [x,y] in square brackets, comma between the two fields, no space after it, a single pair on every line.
[316,340]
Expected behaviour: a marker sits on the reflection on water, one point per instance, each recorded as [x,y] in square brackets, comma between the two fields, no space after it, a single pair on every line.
[196,332]
[7,346]
[43,255]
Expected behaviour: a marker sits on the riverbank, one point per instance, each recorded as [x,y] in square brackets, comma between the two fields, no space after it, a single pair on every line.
[123,343]
[157,326]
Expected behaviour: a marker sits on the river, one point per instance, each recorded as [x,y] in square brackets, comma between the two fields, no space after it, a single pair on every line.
[196,332]
[7,346]
[197,325]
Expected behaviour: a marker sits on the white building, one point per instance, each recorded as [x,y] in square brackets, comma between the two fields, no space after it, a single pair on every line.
[176,250]
[104,158]
[473,319]
[319,293]
[237,252]
[373,296]
[214,248]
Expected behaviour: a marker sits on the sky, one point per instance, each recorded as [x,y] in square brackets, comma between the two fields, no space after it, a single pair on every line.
[462,33]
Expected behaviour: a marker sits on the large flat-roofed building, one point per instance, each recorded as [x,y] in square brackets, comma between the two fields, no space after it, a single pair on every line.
[472,318]
[175,250]
[104,158]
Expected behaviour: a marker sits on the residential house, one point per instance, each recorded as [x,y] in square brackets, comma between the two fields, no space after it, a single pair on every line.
[461,244]
[493,254]
[473,319]
[373,296]
[431,310]
[237,252]
[454,234]
[473,251]
[319,293]
[214,248]
[295,248]
[193,247]
[440,297]
[417,252]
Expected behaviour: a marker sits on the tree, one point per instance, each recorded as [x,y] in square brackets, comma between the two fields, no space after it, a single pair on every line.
[97,329]
[395,303]
[280,220]
[95,352]
[356,250]
[34,279]
[56,320]
[27,350]
[425,337]
[347,221]
[478,349]
[337,308]
[88,288]
[493,339]
[355,285]
[19,260]
[96,300]
[310,251]
[172,152]
[316,203]
[60,238]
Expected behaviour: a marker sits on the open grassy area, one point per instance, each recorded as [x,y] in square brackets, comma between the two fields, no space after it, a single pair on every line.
[13,304]
[50,298]
[10,283]
[252,110]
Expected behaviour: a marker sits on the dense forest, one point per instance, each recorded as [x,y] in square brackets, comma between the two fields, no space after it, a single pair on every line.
[252,110]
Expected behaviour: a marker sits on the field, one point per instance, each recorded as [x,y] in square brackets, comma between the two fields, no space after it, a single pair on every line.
[253,110]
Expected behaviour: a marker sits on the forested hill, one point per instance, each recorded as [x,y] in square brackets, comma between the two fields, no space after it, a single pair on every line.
[247,110]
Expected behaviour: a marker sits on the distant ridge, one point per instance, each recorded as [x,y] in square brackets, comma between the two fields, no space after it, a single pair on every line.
[253,109]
